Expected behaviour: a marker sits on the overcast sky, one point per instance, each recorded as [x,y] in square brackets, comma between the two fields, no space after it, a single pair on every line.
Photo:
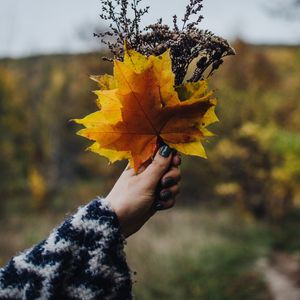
[30,27]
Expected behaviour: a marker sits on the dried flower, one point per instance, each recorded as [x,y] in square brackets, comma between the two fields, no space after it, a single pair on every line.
[187,44]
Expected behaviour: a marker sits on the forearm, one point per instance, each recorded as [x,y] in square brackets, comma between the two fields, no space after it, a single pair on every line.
[82,259]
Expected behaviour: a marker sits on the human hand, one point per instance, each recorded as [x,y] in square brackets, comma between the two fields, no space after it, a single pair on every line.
[136,197]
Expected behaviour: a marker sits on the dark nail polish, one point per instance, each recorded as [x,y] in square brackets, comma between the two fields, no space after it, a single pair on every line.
[159,206]
[165,151]
[165,195]
[168,182]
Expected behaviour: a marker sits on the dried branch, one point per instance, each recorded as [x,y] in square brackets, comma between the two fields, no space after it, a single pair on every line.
[186,45]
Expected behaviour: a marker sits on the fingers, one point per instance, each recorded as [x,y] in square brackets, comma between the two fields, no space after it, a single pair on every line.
[176,161]
[167,197]
[159,166]
[170,193]
[170,178]
[170,188]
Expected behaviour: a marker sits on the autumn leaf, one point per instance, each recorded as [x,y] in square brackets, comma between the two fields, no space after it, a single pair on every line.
[139,108]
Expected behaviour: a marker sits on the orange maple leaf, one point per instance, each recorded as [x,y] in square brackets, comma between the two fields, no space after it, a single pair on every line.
[139,107]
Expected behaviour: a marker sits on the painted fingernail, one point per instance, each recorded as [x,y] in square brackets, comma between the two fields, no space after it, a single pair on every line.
[159,206]
[165,195]
[165,151]
[168,182]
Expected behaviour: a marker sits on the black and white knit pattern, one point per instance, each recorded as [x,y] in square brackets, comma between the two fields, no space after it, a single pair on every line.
[82,259]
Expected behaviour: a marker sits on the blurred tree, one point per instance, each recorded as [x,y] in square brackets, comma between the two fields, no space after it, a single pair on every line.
[257,109]
[260,165]
[253,160]
[12,128]
[38,97]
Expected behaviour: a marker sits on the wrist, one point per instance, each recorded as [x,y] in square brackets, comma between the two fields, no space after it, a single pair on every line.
[120,213]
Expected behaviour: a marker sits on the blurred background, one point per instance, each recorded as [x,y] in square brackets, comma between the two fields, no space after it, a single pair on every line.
[235,231]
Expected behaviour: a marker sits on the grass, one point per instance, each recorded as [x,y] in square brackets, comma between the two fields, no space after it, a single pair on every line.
[198,254]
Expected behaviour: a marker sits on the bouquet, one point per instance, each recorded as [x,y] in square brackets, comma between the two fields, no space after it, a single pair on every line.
[158,93]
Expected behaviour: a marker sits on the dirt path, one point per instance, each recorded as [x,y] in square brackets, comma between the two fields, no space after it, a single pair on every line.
[281,286]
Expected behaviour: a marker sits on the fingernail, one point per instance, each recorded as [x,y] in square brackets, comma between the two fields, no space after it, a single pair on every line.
[165,151]
[165,195]
[159,206]
[168,182]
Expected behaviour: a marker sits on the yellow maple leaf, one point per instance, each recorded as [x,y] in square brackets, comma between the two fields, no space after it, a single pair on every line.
[139,107]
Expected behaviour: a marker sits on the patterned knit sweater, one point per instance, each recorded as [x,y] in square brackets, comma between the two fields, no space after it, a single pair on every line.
[81,259]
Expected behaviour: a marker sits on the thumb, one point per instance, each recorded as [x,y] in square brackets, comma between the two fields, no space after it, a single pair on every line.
[159,165]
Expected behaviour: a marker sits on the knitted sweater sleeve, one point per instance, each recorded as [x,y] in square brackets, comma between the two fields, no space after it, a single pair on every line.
[81,259]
